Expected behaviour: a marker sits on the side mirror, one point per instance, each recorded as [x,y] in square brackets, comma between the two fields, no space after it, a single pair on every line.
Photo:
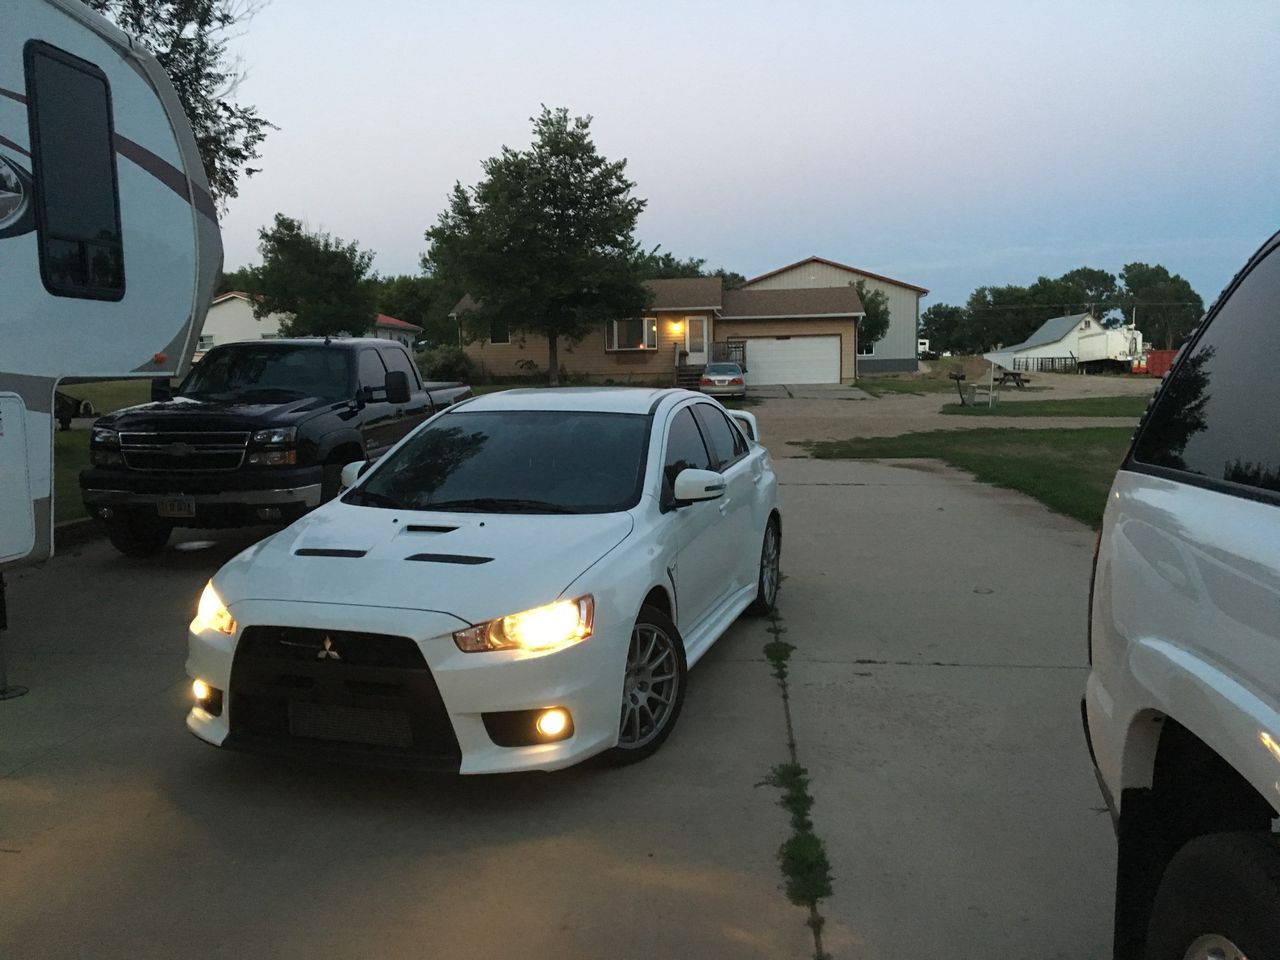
[351,473]
[161,389]
[397,384]
[747,422]
[692,486]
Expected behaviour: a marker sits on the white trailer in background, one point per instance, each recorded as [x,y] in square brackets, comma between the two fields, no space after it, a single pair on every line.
[109,245]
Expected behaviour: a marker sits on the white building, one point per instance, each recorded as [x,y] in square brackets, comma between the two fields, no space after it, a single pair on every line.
[897,349]
[1065,343]
[230,319]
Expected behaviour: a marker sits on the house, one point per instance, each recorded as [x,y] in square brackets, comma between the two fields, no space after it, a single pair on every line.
[897,350]
[230,318]
[779,335]
[1063,344]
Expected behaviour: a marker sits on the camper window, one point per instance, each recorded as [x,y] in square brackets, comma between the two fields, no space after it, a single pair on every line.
[73,155]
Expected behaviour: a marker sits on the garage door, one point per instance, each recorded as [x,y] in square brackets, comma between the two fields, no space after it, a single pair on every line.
[793,360]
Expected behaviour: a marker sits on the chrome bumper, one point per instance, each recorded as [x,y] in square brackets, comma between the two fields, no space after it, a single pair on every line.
[307,496]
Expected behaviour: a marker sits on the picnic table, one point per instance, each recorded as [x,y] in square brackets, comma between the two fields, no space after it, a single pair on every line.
[1005,377]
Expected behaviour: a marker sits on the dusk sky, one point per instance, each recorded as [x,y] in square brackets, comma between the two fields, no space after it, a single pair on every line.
[946,144]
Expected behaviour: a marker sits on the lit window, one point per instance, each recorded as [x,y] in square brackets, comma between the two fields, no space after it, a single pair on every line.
[635,333]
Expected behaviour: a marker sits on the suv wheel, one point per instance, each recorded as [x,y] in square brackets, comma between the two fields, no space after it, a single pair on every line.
[1219,899]
[137,535]
[652,689]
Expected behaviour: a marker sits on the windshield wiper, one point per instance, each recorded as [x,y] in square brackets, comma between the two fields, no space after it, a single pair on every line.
[499,505]
[371,498]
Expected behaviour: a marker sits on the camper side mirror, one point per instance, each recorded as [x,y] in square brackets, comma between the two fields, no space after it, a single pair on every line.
[161,389]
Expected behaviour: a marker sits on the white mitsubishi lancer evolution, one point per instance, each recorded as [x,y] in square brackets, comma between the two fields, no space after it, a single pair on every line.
[520,584]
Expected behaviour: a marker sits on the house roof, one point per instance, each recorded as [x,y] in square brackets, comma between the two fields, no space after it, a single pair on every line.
[689,293]
[841,266]
[791,304]
[391,323]
[237,294]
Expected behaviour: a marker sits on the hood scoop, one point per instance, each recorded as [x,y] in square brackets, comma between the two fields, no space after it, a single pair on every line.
[328,552]
[427,528]
[450,558]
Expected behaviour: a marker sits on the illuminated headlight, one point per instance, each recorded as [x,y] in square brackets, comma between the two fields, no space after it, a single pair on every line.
[105,436]
[551,627]
[273,458]
[212,614]
[276,436]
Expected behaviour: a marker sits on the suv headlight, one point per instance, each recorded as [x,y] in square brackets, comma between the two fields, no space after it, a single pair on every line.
[105,436]
[212,613]
[276,436]
[552,627]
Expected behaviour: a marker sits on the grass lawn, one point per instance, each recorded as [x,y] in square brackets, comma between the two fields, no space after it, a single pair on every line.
[917,386]
[109,395]
[1083,407]
[70,456]
[1069,471]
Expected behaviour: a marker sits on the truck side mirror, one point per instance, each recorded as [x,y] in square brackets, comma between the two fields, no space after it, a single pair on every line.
[161,389]
[397,384]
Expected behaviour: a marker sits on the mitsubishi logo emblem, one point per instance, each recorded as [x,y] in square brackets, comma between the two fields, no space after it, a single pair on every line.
[330,652]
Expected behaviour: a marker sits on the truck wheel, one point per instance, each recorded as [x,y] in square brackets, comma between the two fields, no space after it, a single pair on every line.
[330,481]
[1219,898]
[135,535]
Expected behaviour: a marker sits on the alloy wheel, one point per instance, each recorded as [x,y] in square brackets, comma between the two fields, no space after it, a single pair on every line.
[769,565]
[650,687]
[1211,946]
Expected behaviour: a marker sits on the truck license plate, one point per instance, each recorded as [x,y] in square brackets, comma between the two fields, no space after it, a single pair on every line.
[177,508]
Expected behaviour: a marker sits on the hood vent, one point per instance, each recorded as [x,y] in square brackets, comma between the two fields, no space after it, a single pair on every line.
[427,528]
[328,552]
[449,558]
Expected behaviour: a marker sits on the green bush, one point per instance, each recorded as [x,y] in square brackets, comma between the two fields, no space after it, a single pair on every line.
[447,363]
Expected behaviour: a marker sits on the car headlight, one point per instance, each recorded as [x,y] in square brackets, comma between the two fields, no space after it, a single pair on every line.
[105,436]
[551,627]
[212,614]
[276,436]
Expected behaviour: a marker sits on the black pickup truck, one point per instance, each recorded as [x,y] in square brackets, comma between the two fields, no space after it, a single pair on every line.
[257,432]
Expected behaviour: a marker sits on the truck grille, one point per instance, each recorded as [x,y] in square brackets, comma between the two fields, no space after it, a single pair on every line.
[339,695]
[183,451]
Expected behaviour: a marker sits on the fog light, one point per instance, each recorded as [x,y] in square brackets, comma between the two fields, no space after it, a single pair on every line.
[552,723]
[200,689]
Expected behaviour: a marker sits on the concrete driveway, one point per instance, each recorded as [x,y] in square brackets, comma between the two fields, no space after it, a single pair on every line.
[940,635]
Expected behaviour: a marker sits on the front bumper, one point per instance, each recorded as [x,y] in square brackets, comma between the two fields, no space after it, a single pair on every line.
[585,679]
[229,498]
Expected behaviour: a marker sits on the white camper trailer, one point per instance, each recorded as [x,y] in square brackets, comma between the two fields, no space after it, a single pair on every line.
[109,246]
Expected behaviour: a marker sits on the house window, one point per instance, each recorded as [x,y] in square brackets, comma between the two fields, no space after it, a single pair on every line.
[635,333]
[866,349]
[206,342]
[1087,324]
[271,336]
[73,159]
[499,331]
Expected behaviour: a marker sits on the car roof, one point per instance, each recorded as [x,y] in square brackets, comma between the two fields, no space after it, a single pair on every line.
[603,399]
[349,343]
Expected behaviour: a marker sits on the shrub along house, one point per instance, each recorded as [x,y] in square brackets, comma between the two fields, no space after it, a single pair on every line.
[778,335]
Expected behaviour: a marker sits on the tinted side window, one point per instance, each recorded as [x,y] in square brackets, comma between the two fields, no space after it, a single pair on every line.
[720,435]
[1216,416]
[373,373]
[399,360]
[685,449]
[74,164]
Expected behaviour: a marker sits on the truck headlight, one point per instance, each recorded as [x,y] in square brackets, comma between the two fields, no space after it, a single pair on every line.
[276,436]
[104,436]
[552,627]
[212,614]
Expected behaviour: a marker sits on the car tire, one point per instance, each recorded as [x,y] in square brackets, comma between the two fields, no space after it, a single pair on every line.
[770,576]
[135,535]
[655,665]
[1220,893]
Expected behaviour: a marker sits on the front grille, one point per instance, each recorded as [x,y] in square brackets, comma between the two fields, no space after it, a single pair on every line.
[340,695]
[179,451]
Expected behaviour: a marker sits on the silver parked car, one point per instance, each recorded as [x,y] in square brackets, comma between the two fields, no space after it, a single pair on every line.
[723,380]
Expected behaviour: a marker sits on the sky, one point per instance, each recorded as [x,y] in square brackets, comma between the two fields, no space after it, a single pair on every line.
[950,144]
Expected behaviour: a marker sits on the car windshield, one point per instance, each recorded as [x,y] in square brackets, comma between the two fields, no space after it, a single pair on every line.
[723,370]
[250,371]
[515,461]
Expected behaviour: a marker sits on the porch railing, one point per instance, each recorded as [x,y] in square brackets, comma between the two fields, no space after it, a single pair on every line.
[729,351]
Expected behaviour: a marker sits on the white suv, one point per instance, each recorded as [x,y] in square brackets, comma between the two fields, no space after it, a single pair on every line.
[1182,709]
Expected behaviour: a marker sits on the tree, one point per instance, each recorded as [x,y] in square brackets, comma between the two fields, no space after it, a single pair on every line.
[875,303]
[423,300]
[666,266]
[233,280]
[319,282]
[545,241]
[189,38]
[941,324]
[1162,305]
